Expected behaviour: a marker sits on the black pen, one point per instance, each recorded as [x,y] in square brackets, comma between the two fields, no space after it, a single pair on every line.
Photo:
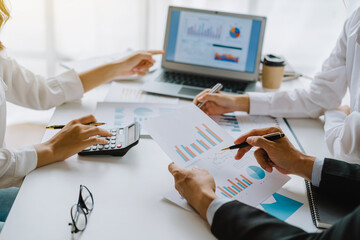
[270,137]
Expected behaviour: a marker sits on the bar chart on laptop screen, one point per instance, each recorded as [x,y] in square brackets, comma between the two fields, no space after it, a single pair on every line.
[206,140]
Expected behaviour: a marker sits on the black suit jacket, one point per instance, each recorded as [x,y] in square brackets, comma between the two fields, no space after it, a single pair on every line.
[236,220]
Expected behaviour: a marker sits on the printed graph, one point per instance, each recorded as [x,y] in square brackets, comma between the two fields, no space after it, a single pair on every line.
[235,186]
[230,122]
[226,58]
[124,116]
[207,139]
[283,207]
[255,172]
[203,31]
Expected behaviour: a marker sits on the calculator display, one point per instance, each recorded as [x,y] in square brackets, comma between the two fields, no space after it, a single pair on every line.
[131,134]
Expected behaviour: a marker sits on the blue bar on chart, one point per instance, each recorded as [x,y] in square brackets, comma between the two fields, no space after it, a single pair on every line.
[230,121]
[236,186]
[186,152]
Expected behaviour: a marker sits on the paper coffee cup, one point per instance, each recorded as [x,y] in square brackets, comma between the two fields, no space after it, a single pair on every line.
[272,72]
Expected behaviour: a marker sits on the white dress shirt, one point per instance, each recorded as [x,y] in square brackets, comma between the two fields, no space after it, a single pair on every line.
[341,71]
[22,87]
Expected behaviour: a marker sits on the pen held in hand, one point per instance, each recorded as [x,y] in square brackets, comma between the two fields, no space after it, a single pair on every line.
[270,137]
[215,89]
[61,126]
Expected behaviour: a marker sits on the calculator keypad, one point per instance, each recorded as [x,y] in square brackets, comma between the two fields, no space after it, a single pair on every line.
[114,142]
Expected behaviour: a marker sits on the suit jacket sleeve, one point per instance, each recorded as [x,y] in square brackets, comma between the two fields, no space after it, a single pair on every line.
[236,220]
[340,179]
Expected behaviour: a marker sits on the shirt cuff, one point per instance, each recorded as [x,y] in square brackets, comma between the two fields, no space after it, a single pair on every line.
[316,172]
[259,103]
[213,207]
[71,85]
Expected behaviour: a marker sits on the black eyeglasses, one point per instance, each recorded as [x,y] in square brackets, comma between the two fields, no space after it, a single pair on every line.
[80,210]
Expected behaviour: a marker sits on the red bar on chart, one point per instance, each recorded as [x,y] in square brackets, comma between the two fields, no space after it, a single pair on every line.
[246,179]
[242,183]
[197,148]
[236,186]
[182,154]
[226,193]
[191,151]
[206,136]
[212,132]
[204,144]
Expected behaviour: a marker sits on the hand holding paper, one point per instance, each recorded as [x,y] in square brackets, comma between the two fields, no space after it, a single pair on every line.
[191,138]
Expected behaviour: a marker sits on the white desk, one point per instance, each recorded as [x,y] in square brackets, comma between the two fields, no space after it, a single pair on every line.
[127,191]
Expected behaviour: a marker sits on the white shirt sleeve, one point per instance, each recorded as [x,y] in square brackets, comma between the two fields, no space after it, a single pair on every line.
[342,135]
[15,165]
[316,172]
[326,90]
[27,89]
[213,207]
[34,91]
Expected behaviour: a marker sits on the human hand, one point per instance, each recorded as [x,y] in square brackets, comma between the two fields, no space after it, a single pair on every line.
[73,138]
[345,109]
[219,103]
[138,63]
[280,154]
[197,186]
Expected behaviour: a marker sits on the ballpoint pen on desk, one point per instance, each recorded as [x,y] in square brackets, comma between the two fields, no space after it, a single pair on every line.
[215,89]
[61,126]
[270,137]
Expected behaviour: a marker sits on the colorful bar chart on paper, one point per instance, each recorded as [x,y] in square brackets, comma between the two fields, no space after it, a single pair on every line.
[236,186]
[207,139]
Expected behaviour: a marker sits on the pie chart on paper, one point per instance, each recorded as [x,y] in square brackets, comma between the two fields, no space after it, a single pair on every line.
[234,32]
[255,172]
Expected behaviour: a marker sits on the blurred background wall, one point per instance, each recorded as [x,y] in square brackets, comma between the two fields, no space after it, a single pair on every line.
[42,33]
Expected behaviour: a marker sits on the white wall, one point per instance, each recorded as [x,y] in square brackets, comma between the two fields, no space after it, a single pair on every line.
[43,32]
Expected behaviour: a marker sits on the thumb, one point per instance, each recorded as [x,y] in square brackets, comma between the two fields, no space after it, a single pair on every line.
[175,169]
[259,141]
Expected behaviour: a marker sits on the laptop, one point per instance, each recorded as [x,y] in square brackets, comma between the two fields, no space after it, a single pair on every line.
[208,47]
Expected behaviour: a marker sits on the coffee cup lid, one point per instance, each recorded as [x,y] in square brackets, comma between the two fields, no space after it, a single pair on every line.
[273,60]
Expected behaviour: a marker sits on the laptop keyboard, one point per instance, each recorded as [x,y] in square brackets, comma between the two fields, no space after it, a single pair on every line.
[202,81]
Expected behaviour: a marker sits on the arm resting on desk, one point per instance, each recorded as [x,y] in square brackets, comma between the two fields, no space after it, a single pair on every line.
[342,135]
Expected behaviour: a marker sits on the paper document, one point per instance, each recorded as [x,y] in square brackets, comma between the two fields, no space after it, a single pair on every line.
[120,92]
[121,114]
[239,123]
[191,138]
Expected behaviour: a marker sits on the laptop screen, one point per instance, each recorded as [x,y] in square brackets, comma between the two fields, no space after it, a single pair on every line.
[213,40]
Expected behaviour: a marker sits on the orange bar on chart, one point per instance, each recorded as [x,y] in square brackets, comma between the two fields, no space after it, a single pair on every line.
[181,153]
[227,194]
[191,151]
[212,132]
[236,186]
[246,179]
[206,136]
[197,148]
